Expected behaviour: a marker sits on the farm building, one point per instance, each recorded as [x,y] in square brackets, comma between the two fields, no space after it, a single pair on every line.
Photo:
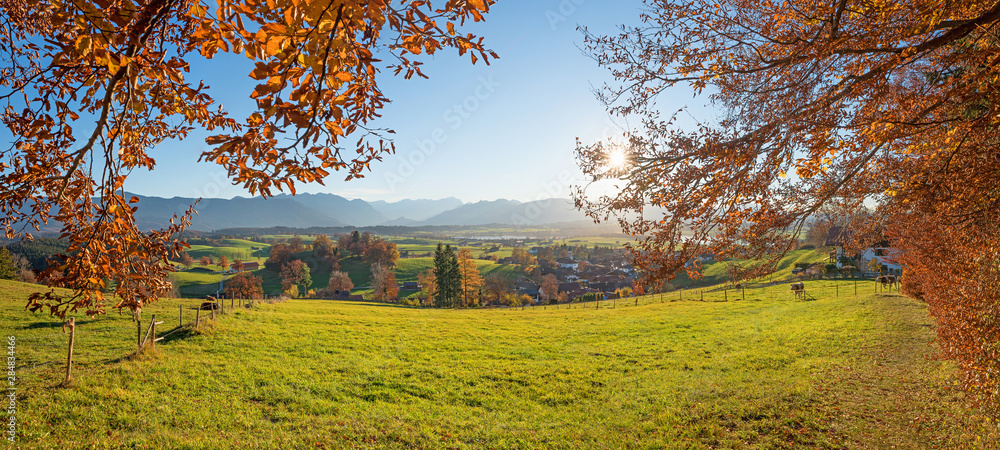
[247,266]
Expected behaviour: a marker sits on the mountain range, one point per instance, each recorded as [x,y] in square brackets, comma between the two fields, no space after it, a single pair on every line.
[329,210]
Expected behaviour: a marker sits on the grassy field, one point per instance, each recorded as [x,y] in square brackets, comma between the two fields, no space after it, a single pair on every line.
[714,274]
[835,371]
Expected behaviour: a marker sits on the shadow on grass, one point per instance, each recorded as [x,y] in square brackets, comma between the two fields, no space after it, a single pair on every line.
[179,333]
[174,334]
[37,325]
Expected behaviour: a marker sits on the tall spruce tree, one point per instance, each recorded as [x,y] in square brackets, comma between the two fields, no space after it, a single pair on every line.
[8,270]
[448,276]
[454,275]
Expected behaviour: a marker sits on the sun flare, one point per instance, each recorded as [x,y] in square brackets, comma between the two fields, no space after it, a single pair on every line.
[617,159]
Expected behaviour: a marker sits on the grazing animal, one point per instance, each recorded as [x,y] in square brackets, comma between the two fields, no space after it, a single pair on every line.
[210,304]
[799,289]
[887,281]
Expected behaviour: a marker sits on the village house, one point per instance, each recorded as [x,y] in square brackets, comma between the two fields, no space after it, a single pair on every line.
[567,263]
[881,253]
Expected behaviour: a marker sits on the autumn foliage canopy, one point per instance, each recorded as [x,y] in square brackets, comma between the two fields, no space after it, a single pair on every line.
[90,88]
[890,107]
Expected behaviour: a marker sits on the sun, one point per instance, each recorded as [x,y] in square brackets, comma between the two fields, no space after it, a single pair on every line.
[617,159]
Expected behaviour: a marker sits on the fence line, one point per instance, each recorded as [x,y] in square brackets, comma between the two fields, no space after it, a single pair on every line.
[150,337]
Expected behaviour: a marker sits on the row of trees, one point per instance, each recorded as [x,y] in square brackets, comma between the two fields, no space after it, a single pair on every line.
[455,281]
[455,278]
[15,267]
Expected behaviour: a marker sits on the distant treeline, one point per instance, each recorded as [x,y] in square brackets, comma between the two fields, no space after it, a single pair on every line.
[38,250]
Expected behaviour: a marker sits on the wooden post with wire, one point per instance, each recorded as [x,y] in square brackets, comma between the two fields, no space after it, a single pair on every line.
[153,326]
[180,320]
[138,334]
[69,356]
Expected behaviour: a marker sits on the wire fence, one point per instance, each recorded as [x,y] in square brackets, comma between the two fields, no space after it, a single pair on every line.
[41,351]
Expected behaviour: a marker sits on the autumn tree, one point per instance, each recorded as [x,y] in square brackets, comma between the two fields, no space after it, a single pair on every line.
[495,286]
[384,287]
[238,265]
[887,104]
[448,276]
[244,285]
[323,248]
[90,88]
[469,277]
[550,287]
[296,273]
[521,257]
[428,287]
[279,255]
[206,261]
[186,260]
[344,243]
[340,281]
[380,251]
[223,262]
[295,244]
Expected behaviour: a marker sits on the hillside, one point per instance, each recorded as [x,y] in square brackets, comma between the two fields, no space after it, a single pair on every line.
[833,372]
[213,213]
[358,213]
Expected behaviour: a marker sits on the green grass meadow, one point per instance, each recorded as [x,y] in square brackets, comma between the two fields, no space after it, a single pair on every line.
[832,371]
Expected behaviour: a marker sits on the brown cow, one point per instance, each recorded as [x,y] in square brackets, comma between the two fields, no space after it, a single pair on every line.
[210,304]
[887,281]
[799,289]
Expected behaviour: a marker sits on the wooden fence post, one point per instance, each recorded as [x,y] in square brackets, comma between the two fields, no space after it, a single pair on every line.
[152,330]
[69,356]
[197,317]
[855,288]
[743,292]
[838,290]
[725,293]
[180,320]
[213,309]
[138,335]
[702,295]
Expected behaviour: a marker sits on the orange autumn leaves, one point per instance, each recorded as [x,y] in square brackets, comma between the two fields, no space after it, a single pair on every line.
[825,107]
[90,88]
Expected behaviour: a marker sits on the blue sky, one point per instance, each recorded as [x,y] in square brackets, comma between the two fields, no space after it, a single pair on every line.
[474,132]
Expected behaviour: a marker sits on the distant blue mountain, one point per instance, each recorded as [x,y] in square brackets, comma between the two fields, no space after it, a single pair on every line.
[328,210]
[408,212]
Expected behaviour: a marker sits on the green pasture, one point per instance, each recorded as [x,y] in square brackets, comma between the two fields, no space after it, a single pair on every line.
[835,370]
